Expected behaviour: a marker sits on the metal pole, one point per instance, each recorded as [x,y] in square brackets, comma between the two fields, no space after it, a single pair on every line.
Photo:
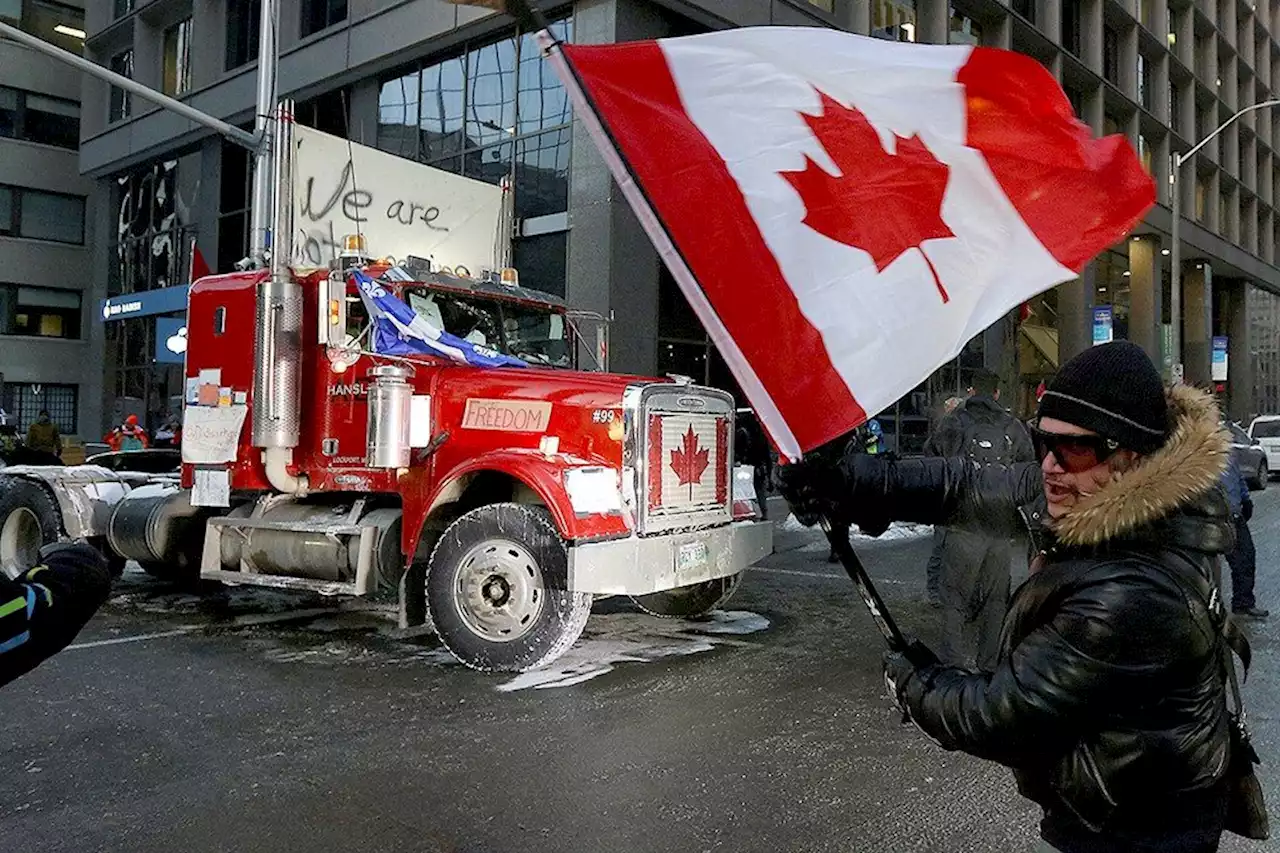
[263,179]
[1175,281]
[1175,230]
[230,131]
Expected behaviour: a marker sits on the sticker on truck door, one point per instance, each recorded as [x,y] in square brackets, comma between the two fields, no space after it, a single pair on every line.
[507,415]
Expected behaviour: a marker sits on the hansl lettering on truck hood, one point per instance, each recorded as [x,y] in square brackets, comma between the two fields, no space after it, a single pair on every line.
[507,415]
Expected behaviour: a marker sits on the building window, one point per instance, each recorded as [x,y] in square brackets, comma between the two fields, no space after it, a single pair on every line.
[23,402]
[321,14]
[39,118]
[1175,107]
[121,101]
[39,311]
[1026,8]
[1147,13]
[1071,26]
[52,21]
[177,58]
[120,8]
[235,176]
[1202,199]
[964,30]
[1076,98]
[828,6]
[1144,83]
[1110,54]
[326,113]
[1110,125]
[242,31]
[40,215]
[894,20]
[496,111]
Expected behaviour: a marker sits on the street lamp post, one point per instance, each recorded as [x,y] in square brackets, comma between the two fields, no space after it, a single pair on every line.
[1175,290]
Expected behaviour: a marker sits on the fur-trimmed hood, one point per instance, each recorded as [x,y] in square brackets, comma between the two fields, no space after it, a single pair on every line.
[1189,464]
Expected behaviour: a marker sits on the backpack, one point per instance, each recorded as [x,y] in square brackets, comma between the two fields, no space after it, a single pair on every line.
[988,444]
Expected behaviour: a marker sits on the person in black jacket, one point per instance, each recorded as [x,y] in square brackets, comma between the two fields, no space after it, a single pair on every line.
[1108,698]
[45,607]
[973,566]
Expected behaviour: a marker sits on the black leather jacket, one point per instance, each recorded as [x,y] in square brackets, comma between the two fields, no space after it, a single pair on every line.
[1108,700]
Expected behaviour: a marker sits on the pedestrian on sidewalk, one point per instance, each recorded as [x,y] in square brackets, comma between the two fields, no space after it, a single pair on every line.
[1108,699]
[974,565]
[1243,558]
[43,435]
[933,571]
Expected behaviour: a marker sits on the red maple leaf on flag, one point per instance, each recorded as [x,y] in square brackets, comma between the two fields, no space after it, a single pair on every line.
[689,462]
[885,204]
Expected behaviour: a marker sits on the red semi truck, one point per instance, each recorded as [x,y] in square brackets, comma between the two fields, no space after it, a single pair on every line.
[494,503]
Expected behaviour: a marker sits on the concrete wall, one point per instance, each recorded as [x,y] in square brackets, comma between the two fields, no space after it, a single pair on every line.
[47,264]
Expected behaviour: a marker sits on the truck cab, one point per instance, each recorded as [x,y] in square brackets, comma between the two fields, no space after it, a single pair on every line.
[495,502]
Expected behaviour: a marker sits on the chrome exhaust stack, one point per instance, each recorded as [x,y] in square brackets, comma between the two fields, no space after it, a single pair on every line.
[277,375]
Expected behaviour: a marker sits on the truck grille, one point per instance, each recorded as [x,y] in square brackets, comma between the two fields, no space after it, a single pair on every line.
[682,439]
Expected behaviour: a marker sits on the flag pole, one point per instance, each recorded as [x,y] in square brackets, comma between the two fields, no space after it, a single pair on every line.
[530,18]
[862,581]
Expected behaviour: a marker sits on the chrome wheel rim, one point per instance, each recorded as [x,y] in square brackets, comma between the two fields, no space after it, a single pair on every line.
[20,541]
[498,591]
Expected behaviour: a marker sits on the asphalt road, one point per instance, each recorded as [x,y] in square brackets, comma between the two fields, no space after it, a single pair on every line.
[249,721]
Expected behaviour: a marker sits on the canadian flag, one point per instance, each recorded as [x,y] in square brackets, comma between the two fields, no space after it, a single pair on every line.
[845,213]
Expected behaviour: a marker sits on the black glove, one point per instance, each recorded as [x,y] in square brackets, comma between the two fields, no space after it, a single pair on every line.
[812,487]
[1246,509]
[916,660]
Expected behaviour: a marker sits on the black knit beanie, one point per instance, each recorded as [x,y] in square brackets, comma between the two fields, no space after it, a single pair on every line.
[1114,390]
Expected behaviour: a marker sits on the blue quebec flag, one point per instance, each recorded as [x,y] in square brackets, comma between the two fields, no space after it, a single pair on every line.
[399,330]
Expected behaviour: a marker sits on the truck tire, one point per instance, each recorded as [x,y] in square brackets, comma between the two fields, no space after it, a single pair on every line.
[685,602]
[497,589]
[29,519]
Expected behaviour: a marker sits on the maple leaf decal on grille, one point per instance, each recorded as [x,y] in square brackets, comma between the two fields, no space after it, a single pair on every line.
[688,461]
[885,204]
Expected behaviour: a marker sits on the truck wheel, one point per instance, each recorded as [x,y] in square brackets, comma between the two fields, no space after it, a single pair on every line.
[695,599]
[29,519]
[497,589]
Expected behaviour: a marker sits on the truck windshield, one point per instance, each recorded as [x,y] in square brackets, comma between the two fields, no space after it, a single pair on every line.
[529,332]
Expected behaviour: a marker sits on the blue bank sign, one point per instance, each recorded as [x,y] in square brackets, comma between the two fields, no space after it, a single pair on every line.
[166,300]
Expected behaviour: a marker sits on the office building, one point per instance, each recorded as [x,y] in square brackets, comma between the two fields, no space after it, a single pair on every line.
[462,89]
[50,344]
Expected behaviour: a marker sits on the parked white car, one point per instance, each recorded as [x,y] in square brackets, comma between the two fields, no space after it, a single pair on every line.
[1265,429]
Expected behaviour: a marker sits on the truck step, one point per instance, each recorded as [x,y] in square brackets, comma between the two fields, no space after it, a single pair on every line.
[294,526]
[280,582]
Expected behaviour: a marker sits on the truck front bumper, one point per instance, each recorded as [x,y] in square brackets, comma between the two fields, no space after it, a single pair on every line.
[638,565]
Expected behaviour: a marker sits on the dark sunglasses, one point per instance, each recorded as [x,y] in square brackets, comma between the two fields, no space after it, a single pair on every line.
[1075,453]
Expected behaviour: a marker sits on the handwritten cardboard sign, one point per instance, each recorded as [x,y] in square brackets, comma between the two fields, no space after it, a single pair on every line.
[211,435]
[401,207]
[507,415]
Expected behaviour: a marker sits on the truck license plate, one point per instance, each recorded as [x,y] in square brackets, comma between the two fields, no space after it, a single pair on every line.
[690,556]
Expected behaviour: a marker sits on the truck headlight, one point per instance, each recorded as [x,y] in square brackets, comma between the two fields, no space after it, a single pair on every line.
[593,491]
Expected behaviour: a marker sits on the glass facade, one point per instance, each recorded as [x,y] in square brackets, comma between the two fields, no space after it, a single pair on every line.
[151,249]
[496,110]
[1264,319]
